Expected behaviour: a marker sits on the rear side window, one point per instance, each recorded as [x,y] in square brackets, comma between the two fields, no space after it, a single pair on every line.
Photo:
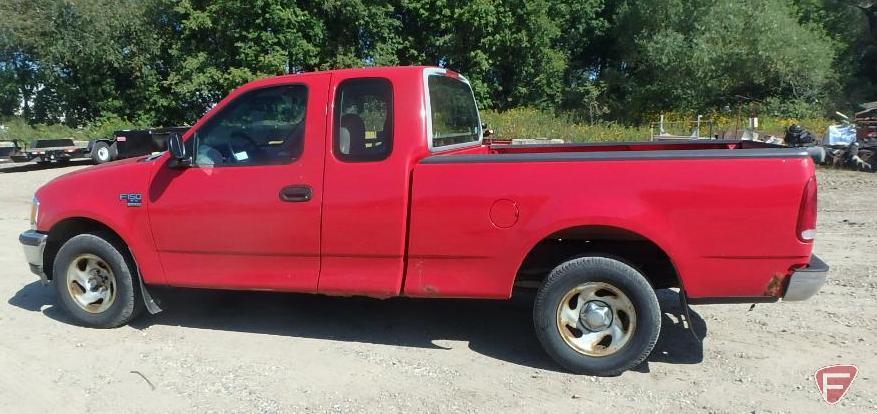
[454,114]
[364,120]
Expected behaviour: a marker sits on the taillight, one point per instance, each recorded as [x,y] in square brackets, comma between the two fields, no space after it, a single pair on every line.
[807,214]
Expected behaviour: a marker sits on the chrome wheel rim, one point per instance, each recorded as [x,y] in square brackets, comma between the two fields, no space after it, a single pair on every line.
[596,319]
[103,153]
[91,283]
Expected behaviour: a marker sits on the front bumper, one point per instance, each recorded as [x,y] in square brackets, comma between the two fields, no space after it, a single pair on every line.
[34,244]
[806,281]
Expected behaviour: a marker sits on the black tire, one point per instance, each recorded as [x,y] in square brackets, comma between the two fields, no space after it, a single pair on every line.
[101,152]
[127,302]
[567,276]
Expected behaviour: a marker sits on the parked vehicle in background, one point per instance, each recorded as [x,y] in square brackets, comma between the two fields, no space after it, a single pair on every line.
[129,143]
[376,182]
[53,150]
[7,150]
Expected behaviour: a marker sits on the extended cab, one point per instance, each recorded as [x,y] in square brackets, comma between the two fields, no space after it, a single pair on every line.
[376,182]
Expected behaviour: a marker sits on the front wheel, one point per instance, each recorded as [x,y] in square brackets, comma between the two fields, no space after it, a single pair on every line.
[95,283]
[597,315]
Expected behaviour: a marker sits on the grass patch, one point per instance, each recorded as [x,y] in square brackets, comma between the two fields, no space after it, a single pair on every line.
[533,123]
[509,124]
[15,128]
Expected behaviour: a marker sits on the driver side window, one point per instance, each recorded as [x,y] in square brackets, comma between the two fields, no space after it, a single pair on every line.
[261,127]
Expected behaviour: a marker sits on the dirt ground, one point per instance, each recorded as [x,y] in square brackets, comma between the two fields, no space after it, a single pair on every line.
[261,352]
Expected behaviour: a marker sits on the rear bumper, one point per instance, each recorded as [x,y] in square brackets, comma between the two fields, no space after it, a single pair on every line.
[802,285]
[806,282]
[34,244]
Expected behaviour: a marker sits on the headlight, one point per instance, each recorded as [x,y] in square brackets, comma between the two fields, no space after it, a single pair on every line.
[34,213]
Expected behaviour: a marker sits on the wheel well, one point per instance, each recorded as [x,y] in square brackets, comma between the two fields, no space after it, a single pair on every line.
[641,253]
[66,229]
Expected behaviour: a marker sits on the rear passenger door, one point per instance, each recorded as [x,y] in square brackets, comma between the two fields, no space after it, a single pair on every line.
[366,189]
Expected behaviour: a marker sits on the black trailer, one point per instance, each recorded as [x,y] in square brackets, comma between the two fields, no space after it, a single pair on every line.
[8,149]
[129,143]
[19,153]
[51,150]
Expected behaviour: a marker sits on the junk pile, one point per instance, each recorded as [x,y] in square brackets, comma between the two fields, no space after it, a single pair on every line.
[849,144]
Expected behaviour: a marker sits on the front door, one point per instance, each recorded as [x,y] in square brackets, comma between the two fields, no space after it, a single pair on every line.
[246,214]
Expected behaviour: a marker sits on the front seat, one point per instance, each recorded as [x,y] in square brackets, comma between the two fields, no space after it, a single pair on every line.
[351,135]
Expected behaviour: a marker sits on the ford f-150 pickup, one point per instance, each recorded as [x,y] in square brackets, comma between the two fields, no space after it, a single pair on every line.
[377,182]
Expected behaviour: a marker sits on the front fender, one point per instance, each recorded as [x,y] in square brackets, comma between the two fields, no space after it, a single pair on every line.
[94,193]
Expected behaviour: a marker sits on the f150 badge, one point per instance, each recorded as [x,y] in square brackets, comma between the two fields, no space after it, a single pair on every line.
[133,199]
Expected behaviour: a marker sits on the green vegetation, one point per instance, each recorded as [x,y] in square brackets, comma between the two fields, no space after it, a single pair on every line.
[599,67]
[17,128]
[533,123]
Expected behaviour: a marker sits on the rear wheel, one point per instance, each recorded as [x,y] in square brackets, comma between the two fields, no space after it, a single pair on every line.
[95,282]
[100,153]
[597,315]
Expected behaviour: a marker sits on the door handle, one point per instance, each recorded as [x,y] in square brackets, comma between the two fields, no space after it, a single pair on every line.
[296,193]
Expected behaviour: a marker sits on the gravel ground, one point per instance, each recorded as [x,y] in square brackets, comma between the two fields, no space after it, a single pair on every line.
[262,352]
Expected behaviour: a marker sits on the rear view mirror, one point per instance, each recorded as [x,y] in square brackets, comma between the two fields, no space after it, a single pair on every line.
[180,157]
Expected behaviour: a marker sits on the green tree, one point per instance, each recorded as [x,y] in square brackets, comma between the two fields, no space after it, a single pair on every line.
[514,52]
[75,61]
[853,26]
[168,61]
[701,54]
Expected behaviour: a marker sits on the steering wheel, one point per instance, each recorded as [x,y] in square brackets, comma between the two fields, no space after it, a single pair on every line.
[249,146]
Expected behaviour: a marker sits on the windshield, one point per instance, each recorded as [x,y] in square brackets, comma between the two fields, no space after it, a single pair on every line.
[453,112]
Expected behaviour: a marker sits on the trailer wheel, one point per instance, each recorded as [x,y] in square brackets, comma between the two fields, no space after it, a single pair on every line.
[95,283]
[100,153]
[596,315]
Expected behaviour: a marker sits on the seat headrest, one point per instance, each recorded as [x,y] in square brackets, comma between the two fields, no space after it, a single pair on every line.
[351,134]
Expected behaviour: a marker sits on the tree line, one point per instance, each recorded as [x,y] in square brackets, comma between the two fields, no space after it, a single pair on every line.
[164,62]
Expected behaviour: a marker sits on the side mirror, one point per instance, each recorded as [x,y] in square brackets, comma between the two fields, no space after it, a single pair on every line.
[485,132]
[180,157]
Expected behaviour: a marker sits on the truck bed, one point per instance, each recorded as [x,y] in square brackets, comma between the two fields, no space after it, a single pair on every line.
[724,211]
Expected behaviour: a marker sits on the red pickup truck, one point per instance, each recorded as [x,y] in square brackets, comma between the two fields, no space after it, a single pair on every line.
[377,182]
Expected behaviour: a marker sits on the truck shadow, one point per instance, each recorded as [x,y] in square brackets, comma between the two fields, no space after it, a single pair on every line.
[497,329]
[33,166]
